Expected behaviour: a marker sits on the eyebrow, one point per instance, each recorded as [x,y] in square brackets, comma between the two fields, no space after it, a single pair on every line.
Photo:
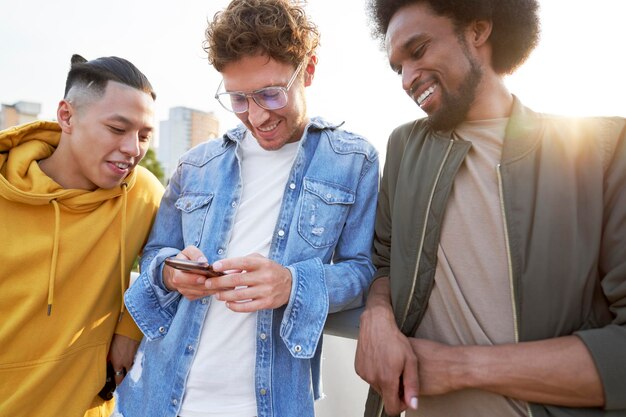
[120,118]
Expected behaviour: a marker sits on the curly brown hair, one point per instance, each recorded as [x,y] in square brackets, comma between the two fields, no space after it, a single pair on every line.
[514,35]
[279,29]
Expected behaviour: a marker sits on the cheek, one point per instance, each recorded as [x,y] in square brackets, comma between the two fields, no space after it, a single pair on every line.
[243,117]
[143,149]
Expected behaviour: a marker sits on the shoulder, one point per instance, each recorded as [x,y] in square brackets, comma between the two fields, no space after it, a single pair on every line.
[344,141]
[411,132]
[147,185]
[408,130]
[205,151]
[588,134]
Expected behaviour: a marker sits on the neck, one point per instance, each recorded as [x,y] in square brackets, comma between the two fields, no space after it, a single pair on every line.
[56,166]
[493,100]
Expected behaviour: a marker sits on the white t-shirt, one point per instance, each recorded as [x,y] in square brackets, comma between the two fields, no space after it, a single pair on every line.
[221,379]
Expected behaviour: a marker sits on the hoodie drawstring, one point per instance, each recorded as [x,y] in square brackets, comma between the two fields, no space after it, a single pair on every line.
[123,246]
[55,253]
[55,250]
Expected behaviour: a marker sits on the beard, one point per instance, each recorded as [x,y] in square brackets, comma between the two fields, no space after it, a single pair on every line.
[455,107]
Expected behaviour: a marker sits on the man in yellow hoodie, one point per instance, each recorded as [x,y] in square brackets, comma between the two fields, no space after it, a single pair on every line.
[75,210]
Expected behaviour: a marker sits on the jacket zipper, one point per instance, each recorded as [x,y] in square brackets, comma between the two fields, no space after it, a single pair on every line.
[510,265]
[379,411]
[423,234]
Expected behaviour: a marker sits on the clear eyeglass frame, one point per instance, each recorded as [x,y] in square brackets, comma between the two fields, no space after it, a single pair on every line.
[260,96]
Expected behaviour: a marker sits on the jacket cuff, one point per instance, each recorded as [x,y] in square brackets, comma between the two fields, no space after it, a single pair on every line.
[150,304]
[607,346]
[305,315]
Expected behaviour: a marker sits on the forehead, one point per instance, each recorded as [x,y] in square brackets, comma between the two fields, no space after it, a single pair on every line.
[121,101]
[123,98]
[254,72]
[414,23]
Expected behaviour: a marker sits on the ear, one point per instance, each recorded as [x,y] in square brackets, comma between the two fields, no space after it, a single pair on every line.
[309,70]
[479,32]
[65,114]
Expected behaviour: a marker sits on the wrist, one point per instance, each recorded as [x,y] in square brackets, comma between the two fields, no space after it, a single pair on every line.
[167,278]
[468,369]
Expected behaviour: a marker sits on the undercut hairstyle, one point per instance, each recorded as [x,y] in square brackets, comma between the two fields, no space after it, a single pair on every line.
[90,78]
[515,31]
[279,29]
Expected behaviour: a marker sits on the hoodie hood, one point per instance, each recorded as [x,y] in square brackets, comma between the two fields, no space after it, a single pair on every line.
[22,181]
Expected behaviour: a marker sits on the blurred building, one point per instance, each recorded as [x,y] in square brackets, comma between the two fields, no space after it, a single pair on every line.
[18,113]
[184,129]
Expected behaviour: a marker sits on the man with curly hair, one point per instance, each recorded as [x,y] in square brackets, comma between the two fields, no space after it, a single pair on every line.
[284,205]
[500,240]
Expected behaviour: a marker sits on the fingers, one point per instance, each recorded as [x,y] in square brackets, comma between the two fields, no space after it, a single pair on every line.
[394,405]
[119,374]
[244,263]
[410,383]
[189,285]
[251,283]
[192,253]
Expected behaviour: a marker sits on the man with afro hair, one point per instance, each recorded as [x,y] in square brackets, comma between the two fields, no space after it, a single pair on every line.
[500,240]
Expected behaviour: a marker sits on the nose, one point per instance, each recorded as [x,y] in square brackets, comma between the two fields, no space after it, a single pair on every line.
[130,144]
[257,115]
[410,79]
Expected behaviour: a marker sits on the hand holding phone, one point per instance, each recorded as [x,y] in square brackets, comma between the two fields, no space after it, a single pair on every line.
[194,267]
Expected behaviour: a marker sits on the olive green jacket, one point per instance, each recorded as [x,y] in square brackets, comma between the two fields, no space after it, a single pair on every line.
[563,196]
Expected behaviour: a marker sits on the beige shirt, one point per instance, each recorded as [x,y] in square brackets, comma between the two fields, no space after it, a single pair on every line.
[471,301]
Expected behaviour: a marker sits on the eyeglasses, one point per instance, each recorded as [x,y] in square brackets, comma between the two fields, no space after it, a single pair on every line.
[269,98]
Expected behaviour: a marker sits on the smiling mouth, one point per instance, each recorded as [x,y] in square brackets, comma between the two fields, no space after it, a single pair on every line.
[268,128]
[121,165]
[422,98]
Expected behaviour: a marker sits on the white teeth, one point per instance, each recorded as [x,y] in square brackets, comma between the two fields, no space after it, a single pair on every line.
[425,95]
[267,128]
[121,165]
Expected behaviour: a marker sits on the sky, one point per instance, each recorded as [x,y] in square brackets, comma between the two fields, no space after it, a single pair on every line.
[579,67]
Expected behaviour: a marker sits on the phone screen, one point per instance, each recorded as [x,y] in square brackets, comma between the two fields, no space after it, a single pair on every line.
[200,268]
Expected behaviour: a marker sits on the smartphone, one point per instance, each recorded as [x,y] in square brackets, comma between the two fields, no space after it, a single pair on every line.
[195,267]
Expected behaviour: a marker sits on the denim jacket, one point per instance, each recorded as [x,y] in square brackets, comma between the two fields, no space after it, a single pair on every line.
[323,235]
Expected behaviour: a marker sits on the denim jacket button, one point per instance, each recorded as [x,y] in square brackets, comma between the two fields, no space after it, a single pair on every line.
[220,251]
[174,401]
[162,330]
[281,233]
[233,204]
[297,348]
[204,300]
[263,336]
[292,186]
[263,391]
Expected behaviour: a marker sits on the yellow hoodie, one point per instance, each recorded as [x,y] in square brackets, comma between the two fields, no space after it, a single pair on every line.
[64,254]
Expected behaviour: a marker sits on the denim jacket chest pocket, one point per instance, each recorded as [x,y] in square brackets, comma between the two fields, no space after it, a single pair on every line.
[194,208]
[323,211]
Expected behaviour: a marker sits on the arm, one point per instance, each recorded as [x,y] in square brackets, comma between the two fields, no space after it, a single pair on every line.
[557,371]
[384,356]
[607,344]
